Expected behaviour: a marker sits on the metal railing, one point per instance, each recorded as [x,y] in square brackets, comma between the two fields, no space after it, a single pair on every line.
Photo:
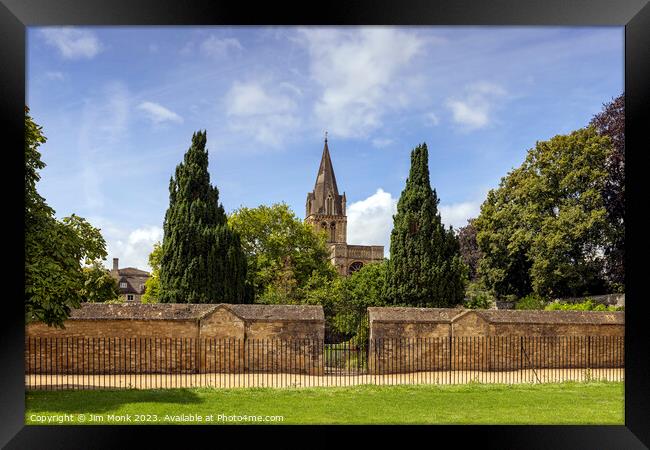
[158,363]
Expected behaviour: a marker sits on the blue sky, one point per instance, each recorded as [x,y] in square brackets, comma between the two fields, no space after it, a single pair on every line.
[119,106]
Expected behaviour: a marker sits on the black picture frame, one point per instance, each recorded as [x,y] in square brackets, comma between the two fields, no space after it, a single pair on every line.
[634,15]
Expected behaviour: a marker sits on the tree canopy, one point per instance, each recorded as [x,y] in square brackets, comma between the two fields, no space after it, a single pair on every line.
[470,252]
[98,286]
[152,285]
[202,259]
[283,252]
[425,268]
[545,227]
[610,122]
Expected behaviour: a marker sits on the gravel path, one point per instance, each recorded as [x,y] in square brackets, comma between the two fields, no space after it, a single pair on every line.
[221,380]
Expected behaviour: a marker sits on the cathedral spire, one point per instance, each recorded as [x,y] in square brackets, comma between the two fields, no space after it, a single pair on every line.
[325,181]
[325,198]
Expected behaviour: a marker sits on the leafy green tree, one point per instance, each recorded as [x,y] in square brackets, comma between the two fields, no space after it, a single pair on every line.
[362,289]
[152,285]
[283,252]
[425,268]
[544,229]
[610,122]
[470,252]
[99,285]
[54,250]
[202,259]
[531,301]
[501,236]
[326,291]
[477,297]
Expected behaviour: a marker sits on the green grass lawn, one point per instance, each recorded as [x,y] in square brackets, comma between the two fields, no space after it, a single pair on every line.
[564,403]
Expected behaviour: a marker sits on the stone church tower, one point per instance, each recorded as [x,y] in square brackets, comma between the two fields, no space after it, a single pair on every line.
[325,210]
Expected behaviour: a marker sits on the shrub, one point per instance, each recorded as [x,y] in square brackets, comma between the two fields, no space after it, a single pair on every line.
[531,301]
[478,298]
[587,305]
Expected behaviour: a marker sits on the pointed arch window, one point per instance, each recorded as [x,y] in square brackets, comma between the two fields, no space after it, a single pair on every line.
[330,204]
[333,232]
[354,267]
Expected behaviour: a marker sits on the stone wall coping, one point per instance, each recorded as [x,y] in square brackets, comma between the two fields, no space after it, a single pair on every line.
[195,312]
[275,313]
[398,314]
[450,315]
[556,317]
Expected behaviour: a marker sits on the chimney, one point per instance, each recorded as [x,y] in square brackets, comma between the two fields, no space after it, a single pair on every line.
[115,264]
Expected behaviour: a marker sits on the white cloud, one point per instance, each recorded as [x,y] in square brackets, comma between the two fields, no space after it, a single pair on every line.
[257,110]
[247,99]
[370,221]
[73,43]
[361,73]
[457,214]
[432,119]
[381,142]
[215,47]
[473,110]
[158,113]
[57,76]
[132,247]
[187,49]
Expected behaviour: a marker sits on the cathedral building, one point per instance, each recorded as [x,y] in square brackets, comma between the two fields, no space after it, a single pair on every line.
[326,211]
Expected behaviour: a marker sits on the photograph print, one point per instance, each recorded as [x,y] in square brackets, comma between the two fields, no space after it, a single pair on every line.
[324,225]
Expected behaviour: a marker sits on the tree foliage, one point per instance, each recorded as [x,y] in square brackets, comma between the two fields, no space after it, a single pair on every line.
[425,268]
[202,259]
[364,288]
[152,285]
[545,227]
[470,252]
[54,250]
[283,253]
[99,285]
[610,122]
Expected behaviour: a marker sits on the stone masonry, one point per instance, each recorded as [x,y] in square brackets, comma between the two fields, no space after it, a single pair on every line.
[181,337]
[325,210]
[440,339]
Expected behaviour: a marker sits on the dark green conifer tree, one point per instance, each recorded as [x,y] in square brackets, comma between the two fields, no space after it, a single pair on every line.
[202,259]
[425,268]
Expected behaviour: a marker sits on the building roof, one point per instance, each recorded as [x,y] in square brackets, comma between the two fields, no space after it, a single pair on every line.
[448,315]
[193,311]
[325,184]
[410,314]
[134,279]
[132,272]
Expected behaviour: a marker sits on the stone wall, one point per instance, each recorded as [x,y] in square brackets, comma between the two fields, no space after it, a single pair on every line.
[403,339]
[92,328]
[180,339]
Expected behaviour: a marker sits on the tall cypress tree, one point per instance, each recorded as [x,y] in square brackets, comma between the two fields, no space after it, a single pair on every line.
[425,267]
[202,259]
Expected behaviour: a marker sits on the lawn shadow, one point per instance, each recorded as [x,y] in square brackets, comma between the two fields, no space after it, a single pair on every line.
[100,401]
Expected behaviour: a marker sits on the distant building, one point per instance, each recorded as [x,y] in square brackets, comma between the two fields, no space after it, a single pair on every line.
[326,211]
[130,281]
